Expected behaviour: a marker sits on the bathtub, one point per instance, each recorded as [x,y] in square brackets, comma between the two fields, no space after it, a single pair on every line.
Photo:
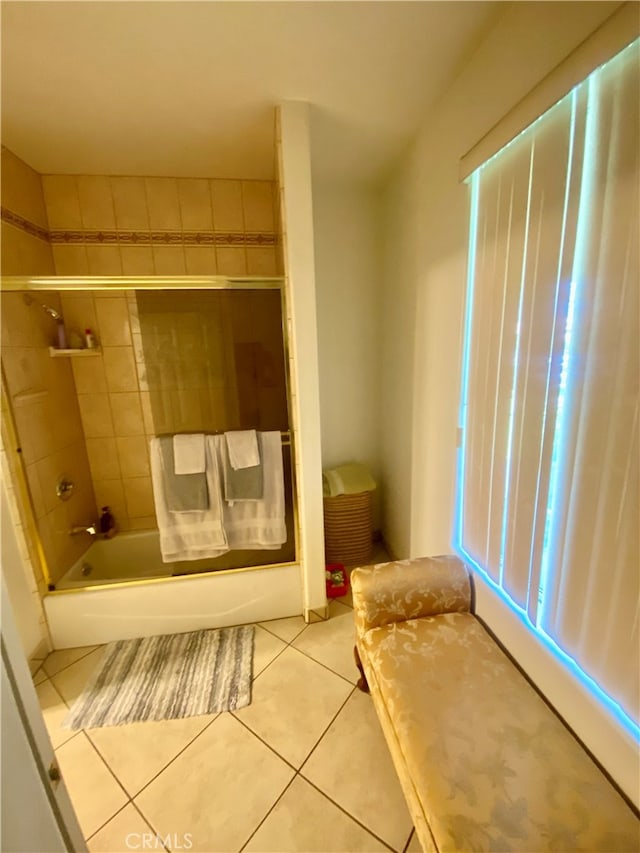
[136,556]
[121,589]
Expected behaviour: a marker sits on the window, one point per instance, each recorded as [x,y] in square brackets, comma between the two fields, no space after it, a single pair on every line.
[548,507]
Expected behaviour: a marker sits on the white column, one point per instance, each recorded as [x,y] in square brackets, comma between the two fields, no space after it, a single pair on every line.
[297,213]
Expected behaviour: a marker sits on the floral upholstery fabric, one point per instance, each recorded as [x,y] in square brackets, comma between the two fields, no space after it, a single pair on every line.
[407,589]
[483,761]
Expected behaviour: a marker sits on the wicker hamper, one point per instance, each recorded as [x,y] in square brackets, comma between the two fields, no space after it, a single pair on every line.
[348,528]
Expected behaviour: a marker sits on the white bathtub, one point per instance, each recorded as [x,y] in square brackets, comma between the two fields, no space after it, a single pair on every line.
[101,606]
[136,556]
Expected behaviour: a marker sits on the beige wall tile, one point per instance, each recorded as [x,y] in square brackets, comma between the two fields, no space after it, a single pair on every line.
[36,439]
[23,254]
[103,458]
[130,204]
[10,260]
[200,260]
[24,324]
[257,200]
[134,317]
[147,413]
[96,203]
[120,369]
[127,413]
[79,314]
[35,490]
[70,260]
[261,260]
[169,260]
[113,322]
[62,202]
[89,375]
[139,497]
[195,204]
[134,456]
[42,256]
[22,189]
[104,260]
[231,261]
[164,206]
[227,205]
[137,260]
[138,348]
[111,493]
[95,412]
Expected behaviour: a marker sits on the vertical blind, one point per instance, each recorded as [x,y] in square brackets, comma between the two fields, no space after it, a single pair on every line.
[549,471]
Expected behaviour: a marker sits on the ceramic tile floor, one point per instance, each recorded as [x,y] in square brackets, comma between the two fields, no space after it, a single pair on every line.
[303,768]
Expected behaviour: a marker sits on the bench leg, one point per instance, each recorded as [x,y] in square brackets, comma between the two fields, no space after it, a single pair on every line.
[362,681]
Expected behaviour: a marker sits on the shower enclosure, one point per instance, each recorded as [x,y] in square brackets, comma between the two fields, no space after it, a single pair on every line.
[207,356]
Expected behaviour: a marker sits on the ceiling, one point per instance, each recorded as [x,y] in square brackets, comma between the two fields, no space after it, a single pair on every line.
[189,88]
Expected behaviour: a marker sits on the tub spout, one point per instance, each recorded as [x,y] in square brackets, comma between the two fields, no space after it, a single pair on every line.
[89,528]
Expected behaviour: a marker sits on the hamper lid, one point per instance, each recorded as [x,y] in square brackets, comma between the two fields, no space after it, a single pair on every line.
[349,479]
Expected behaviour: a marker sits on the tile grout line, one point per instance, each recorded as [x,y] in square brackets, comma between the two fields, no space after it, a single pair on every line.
[170,762]
[277,800]
[411,834]
[348,814]
[131,797]
[264,742]
[62,669]
[333,719]
[325,666]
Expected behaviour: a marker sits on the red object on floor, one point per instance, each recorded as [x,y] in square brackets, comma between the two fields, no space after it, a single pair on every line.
[336,579]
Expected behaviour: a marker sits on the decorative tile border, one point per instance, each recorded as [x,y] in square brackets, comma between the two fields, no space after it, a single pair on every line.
[141,238]
[20,222]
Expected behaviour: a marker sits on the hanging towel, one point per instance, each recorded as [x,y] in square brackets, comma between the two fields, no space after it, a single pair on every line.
[241,484]
[183,492]
[243,448]
[259,524]
[188,451]
[188,535]
[349,479]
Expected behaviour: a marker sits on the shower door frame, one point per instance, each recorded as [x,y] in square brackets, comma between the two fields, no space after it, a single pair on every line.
[17,473]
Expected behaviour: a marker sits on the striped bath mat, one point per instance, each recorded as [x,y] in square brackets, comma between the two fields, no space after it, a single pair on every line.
[166,678]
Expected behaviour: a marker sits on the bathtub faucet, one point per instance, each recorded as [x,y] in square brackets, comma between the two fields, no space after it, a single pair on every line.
[92,529]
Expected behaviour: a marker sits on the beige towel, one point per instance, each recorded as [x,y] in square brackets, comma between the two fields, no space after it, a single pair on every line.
[188,452]
[243,448]
[189,535]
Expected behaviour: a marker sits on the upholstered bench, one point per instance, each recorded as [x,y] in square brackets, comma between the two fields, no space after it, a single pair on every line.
[484,762]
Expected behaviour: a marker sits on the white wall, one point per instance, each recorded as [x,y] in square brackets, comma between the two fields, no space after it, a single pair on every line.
[21,584]
[425,228]
[347,257]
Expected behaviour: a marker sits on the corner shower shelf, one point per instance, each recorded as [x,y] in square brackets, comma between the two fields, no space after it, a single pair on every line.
[54,352]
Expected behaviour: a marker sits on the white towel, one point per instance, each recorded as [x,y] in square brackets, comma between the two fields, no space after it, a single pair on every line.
[260,524]
[189,535]
[243,448]
[188,453]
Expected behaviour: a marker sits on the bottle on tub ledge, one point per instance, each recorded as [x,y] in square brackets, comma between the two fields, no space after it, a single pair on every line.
[107,523]
[90,339]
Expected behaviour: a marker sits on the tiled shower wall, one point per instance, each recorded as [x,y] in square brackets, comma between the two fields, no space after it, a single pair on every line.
[114,404]
[99,225]
[41,389]
[25,246]
[103,225]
